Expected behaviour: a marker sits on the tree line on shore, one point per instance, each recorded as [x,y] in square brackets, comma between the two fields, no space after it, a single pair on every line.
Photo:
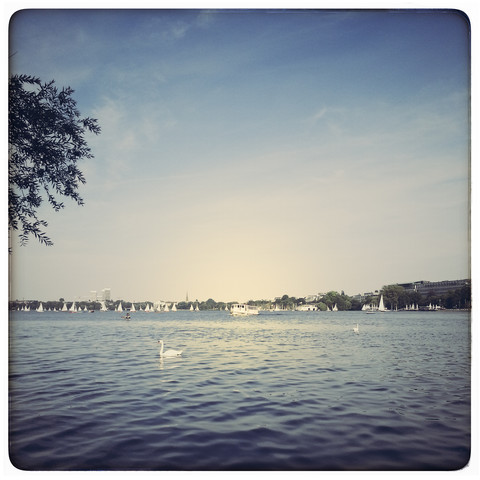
[395,297]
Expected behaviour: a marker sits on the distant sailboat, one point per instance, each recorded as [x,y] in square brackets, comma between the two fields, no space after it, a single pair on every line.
[120,309]
[174,308]
[335,308]
[166,309]
[103,307]
[64,308]
[196,308]
[40,308]
[132,308]
[73,308]
[381,306]
[191,308]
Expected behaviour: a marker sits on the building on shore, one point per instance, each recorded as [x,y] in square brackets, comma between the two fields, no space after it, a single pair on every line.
[426,288]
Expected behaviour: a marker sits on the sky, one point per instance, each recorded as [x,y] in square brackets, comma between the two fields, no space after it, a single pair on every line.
[252,154]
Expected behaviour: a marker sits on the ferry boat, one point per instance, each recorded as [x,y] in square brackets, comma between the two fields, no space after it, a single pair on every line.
[243,309]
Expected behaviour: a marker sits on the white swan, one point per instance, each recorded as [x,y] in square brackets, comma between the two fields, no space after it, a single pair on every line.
[355,329]
[169,353]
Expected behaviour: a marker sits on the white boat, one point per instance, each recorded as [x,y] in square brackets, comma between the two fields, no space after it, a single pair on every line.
[132,308]
[174,308]
[381,306]
[242,309]
[40,308]
[196,308]
[120,308]
[166,309]
[64,308]
[371,309]
[73,308]
[191,308]
[103,307]
[335,308]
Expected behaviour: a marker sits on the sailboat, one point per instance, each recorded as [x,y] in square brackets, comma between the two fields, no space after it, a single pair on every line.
[166,309]
[381,306]
[64,308]
[335,308]
[40,308]
[174,308]
[73,308]
[103,308]
[132,308]
[120,309]
[191,307]
[196,308]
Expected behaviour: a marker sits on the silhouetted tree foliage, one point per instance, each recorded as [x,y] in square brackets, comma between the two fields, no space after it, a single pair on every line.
[45,142]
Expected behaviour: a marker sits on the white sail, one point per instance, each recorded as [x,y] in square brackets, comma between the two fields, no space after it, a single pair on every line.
[191,308]
[196,308]
[40,308]
[381,306]
[166,308]
[73,308]
[103,307]
[132,309]
[174,308]
[120,309]
[335,308]
[64,308]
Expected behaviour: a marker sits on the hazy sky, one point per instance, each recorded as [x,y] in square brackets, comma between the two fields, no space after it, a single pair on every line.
[252,154]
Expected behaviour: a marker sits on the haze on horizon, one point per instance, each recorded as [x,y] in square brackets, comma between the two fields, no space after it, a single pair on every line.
[249,154]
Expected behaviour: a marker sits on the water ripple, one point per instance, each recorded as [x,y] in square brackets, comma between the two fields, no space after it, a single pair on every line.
[279,392]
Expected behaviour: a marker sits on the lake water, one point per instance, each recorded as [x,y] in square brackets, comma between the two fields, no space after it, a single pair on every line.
[272,392]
